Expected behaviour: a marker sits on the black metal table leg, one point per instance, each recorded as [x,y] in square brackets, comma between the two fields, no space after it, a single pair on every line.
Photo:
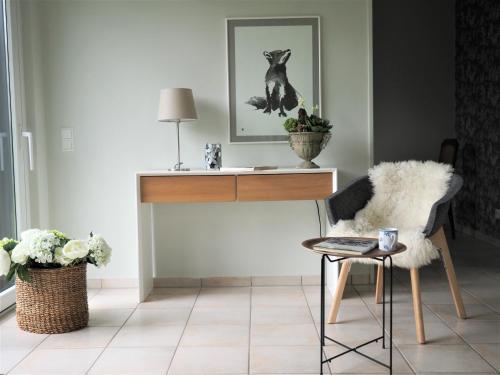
[322,313]
[349,349]
[390,318]
[383,303]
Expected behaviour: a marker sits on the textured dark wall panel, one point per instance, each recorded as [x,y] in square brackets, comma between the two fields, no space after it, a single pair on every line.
[477,73]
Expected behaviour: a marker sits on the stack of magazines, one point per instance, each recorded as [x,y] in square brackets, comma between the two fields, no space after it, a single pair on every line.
[347,246]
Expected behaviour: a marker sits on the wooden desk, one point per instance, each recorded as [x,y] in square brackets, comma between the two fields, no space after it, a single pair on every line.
[216,186]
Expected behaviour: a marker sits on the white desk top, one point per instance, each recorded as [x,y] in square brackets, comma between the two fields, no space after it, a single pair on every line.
[232,172]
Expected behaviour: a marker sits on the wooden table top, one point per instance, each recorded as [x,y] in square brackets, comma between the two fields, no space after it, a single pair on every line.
[375,253]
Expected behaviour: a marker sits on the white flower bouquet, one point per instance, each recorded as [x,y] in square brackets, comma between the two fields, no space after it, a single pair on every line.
[49,249]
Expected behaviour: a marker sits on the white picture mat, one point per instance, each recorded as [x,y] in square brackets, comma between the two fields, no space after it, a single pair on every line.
[251,67]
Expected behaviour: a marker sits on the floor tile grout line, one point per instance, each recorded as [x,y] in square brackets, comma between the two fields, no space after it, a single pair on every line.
[184,330]
[464,340]
[113,337]
[26,356]
[314,324]
[378,322]
[41,342]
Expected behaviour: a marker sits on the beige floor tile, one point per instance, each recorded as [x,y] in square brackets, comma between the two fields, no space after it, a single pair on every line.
[478,332]
[353,363]
[133,361]
[281,335]
[168,301]
[350,297]
[351,333]
[278,296]
[435,333]
[403,313]
[347,313]
[215,335]
[440,297]
[474,312]
[115,299]
[92,292]
[177,316]
[490,352]
[211,360]
[15,338]
[108,317]
[147,336]
[10,358]
[281,315]
[444,359]
[57,361]
[284,360]
[224,297]
[90,337]
[8,319]
[220,315]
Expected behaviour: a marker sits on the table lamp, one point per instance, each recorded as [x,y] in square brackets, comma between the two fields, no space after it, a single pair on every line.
[176,105]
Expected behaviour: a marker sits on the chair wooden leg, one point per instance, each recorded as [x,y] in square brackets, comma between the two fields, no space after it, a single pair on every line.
[417,305]
[339,291]
[379,285]
[439,240]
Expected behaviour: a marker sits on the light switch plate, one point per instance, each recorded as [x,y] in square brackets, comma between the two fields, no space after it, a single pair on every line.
[67,145]
[67,139]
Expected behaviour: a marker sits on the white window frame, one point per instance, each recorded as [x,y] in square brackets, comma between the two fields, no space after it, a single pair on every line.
[12,24]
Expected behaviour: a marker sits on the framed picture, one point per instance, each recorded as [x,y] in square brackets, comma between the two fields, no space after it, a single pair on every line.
[273,64]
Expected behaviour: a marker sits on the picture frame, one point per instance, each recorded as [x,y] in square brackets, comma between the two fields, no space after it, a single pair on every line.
[273,64]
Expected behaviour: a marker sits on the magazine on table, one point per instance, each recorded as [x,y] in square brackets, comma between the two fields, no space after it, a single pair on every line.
[353,246]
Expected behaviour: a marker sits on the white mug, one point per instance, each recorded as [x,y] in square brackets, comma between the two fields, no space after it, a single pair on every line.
[387,239]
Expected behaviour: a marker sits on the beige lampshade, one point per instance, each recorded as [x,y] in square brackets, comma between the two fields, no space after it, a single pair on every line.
[176,104]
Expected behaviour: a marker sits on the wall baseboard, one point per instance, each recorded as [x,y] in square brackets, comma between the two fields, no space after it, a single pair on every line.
[233,281]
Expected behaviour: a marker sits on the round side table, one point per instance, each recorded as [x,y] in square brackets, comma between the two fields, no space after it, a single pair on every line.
[333,257]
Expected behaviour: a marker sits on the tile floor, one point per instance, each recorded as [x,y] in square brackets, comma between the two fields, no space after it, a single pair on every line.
[271,330]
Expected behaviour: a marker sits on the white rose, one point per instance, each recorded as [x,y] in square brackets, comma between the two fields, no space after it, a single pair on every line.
[60,258]
[4,262]
[75,249]
[20,253]
[29,234]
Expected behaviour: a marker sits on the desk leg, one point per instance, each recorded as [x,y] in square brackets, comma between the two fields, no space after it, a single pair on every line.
[145,248]
[322,314]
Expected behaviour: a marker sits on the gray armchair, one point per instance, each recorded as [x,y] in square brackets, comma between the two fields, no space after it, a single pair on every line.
[344,204]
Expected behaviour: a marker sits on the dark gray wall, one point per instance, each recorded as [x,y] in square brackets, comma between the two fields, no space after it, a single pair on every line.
[413,78]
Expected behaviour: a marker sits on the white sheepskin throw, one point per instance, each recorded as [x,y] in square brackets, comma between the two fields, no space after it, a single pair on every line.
[404,193]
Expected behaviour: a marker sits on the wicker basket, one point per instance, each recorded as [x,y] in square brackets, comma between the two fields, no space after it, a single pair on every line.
[55,301]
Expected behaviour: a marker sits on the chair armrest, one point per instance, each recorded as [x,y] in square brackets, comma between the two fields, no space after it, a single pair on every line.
[439,210]
[344,204]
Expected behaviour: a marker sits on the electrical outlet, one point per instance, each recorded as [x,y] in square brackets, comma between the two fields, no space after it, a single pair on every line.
[497,214]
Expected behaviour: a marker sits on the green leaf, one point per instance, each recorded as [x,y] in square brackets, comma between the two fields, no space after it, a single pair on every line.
[12,271]
[22,272]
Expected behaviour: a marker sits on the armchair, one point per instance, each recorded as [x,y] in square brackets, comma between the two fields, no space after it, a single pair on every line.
[354,211]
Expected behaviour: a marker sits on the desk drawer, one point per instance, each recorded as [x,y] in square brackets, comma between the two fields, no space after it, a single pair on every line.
[284,187]
[171,189]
